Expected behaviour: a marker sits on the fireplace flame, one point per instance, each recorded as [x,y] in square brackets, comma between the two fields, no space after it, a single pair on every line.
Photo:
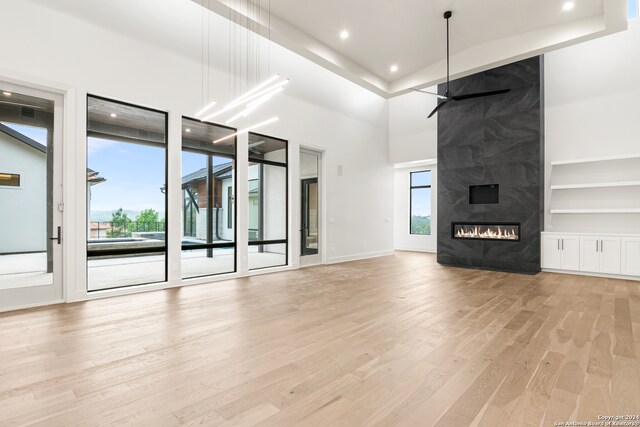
[491,232]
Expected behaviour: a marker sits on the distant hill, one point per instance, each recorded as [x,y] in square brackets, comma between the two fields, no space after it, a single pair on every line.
[105,216]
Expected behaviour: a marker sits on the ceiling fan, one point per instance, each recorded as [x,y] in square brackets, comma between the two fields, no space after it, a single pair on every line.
[447,97]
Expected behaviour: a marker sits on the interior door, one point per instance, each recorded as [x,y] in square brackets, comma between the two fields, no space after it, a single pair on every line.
[310,216]
[31,235]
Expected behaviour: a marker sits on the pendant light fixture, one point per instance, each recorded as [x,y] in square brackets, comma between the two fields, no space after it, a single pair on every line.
[251,100]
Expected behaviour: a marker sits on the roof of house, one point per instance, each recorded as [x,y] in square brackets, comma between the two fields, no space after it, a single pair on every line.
[93,177]
[22,138]
[219,171]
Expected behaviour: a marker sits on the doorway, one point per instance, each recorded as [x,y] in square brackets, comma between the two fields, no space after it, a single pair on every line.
[31,197]
[310,224]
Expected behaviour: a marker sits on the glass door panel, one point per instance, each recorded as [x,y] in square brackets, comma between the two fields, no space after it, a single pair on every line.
[30,191]
[310,216]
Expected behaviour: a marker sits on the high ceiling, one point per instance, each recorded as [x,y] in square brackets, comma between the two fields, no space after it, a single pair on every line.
[411,33]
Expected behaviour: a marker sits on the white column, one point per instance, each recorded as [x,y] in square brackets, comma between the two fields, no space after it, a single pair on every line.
[241,203]
[174,196]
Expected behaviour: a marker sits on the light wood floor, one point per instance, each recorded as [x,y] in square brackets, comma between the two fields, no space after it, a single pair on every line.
[398,340]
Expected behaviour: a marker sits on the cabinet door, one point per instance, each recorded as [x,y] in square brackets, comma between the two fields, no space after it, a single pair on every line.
[610,255]
[551,255]
[631,256]
[590,253]
[570,247]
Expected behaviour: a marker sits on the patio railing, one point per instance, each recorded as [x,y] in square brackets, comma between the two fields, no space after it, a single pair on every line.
[108,230]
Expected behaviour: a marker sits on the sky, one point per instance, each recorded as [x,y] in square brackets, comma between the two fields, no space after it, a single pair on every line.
[421,197]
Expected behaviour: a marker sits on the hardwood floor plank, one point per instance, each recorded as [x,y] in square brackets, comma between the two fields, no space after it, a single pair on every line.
[397,340]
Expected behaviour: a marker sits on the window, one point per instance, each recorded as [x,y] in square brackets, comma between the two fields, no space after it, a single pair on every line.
[126,194]
[268,215]
[632,10]
[9,180]
[208,179]
[420,203]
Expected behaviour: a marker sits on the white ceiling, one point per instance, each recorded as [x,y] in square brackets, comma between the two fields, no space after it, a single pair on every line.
[411,33]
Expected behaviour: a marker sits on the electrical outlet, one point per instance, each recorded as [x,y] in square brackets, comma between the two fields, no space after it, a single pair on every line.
[332,220]
[333,250]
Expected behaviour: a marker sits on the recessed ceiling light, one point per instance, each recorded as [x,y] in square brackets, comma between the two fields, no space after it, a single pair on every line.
[187,130]
[393,68]
[344,34]
[5,93]
[568,5]
[114,115]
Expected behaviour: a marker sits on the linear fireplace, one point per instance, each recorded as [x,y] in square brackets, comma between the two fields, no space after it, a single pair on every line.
[503,231]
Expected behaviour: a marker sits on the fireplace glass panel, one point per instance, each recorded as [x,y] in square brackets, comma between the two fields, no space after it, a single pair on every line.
[486,231]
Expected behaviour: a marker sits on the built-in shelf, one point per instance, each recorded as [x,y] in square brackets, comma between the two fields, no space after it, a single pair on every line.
[594,211]
[596,185]
[595,159]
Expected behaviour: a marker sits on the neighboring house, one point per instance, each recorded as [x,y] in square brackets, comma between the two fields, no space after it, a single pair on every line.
[95,231]
[23,193]
[194,193]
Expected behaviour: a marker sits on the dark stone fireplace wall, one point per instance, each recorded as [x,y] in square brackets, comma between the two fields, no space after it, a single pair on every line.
[493,140]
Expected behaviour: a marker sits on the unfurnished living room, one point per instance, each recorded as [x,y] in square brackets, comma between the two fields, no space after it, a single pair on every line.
[319,213]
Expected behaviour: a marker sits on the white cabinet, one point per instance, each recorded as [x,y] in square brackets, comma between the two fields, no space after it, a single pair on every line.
[631,256]
[600,254]
[610,258]
[561,252]
[551,254]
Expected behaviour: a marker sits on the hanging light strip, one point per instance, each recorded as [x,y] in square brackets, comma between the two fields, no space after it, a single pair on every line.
[205,109]
[253,105]
[248,129]
[247,97]
[257,88]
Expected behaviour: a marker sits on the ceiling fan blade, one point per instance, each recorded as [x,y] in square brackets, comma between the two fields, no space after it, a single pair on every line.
[439,106]
[429,93]
[479,94]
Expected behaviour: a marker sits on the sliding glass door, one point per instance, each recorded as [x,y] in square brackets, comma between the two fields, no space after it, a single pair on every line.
[268,210]
[126,194]
[208,191]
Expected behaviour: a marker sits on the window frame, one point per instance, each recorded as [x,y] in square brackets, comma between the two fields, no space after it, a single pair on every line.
[122,251]
[234,160]
[415,187]
[285,165]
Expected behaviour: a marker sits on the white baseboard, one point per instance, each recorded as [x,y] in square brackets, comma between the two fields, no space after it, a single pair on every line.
[583,273]
[336,260]
[410,249]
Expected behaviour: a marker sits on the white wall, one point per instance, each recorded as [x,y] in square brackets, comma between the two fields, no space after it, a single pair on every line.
[23,210]
[318,108]
[412,136]
[402,239]
[592,109]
